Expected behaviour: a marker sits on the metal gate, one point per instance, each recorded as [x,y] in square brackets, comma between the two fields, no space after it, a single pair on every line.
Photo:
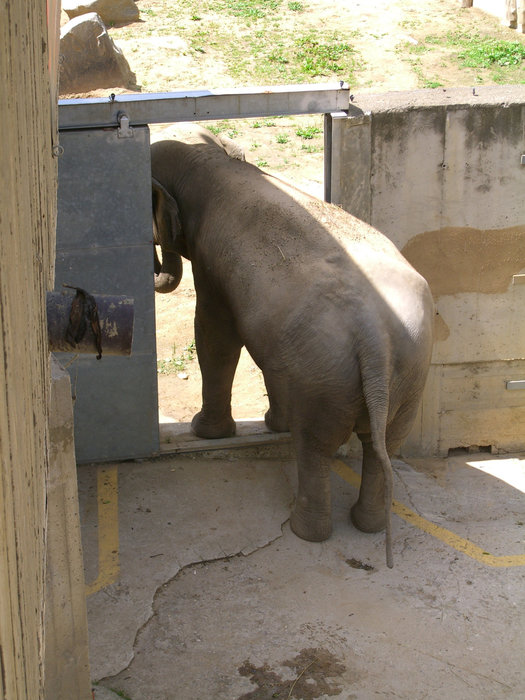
[104,239]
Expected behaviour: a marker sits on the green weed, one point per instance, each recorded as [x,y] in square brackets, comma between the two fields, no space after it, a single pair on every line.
[479,53]
[222,126]
[282,138]
[311,148]
[308,132]
[250,9]
[321,58]
[120,693]
[487,52]
[177,364]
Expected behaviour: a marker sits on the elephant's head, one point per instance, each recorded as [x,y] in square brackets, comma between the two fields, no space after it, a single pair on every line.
[167,232]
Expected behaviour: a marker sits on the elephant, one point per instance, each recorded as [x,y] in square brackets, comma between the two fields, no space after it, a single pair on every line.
[339,323]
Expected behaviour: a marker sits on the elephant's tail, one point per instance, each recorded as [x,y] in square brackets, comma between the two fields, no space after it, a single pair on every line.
[375,376]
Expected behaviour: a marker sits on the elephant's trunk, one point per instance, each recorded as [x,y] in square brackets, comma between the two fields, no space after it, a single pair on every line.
[169,273]
[166,230]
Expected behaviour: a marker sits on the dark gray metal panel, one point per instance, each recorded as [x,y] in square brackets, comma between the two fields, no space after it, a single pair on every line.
[116,407]
[104,245]
[105,201]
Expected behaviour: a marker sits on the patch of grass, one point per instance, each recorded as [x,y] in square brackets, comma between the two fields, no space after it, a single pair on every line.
[120,693]
[488,52]
[429,83]
[223,126]
[311,148]
[261,42]
[410,24]
[177,364]
[486,58]
[308,132]
[317,57]
[261,163]
[250,9]
[282,138]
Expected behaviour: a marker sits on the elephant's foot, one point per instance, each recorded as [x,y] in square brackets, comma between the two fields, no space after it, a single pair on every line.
[274,423]
[368,519]
[310,526]
[205,428]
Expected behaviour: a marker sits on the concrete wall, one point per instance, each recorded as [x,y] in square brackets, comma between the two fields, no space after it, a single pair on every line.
[28,181]
[440,172]
[65,622]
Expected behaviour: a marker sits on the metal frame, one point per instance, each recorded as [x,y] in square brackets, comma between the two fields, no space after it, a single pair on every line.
[102,140]
[129,110]
[201,105]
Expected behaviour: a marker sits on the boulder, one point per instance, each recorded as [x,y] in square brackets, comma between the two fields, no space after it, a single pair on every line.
[89,59]
[110,11]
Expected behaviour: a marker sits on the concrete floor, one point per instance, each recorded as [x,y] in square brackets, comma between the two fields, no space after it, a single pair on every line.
[199,590]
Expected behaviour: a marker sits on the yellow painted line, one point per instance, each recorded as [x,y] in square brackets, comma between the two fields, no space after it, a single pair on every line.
[108,542]
[458,543]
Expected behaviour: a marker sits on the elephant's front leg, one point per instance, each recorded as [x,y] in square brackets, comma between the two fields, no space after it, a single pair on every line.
[311,517]
[218,350]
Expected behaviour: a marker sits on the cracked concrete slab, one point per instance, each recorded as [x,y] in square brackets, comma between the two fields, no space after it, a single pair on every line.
[172,513]
[226,603]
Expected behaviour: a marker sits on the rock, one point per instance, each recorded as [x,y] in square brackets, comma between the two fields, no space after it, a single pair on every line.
[110,11]
[89,59]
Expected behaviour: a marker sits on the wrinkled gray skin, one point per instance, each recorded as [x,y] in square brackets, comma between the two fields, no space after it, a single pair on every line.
[338,321]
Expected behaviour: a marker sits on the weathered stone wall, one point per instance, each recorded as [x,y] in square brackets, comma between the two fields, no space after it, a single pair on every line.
[28,180]
[441,173]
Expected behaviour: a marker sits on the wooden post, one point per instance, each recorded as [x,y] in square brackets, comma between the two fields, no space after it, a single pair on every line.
[28,180]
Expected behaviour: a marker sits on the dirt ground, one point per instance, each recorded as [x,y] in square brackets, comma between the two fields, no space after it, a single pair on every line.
[164,62]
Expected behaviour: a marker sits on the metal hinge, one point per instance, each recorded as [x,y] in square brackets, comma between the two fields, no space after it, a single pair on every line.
[125,131]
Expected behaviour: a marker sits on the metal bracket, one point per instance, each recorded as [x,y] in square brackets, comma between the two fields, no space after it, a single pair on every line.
[515,384]
[125,131]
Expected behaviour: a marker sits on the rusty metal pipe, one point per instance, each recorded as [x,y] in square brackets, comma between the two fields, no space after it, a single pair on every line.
[115,315]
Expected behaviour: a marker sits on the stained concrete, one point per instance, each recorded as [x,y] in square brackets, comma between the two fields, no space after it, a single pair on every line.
[440,173]
[214,597]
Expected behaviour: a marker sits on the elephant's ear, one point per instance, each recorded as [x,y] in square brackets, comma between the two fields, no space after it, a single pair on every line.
[166,220]
[232,148]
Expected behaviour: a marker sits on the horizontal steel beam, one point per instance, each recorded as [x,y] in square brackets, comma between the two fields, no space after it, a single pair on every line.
[202,105]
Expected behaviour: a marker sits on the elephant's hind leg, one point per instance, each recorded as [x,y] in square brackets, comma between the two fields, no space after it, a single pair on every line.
[311,518]
[368,513]
[316,441]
